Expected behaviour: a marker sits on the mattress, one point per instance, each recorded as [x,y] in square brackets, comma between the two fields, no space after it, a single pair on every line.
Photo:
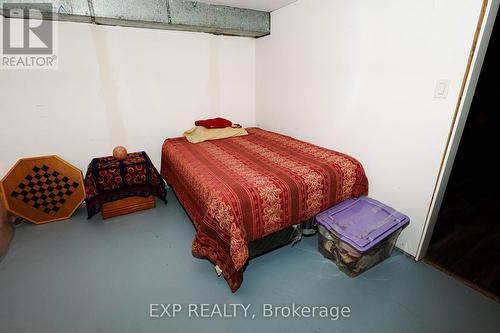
[241,189]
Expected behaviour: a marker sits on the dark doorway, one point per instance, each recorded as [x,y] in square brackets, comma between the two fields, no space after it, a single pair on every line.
[466,238]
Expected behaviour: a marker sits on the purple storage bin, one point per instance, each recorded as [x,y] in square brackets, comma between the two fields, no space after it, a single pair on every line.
[359,233]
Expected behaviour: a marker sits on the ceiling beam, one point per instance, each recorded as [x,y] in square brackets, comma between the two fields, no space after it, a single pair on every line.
[156,14]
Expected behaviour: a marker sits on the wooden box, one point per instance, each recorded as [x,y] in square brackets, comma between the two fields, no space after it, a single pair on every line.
[127,206]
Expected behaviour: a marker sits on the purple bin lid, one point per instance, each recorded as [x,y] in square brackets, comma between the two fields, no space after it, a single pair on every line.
[362,222]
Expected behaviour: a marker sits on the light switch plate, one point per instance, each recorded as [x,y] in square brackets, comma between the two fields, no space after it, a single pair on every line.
[442,88]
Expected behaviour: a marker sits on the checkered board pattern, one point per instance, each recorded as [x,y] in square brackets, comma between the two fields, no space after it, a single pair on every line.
[45,189]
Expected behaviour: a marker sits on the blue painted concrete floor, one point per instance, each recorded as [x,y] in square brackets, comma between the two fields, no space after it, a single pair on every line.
[102,276]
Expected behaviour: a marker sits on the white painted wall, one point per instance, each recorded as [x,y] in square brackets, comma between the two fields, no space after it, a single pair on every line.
[356,76]
[115,85]
[359,77]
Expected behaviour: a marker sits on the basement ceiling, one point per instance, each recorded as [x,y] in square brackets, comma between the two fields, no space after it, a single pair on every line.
[185,15]
[264,5]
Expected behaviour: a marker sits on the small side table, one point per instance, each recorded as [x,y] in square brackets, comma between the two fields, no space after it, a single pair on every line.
[121,187]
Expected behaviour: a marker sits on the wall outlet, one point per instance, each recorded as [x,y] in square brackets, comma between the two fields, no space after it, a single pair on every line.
[442,88]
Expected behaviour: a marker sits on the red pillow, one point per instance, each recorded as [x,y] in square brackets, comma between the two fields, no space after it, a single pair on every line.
[214,123]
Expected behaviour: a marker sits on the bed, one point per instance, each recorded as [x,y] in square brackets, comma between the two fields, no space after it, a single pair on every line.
[240,190]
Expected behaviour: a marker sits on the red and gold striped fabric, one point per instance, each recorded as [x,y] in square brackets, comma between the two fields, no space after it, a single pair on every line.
[240,189]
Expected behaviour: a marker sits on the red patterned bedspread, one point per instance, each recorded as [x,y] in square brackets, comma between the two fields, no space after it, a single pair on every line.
[240,189]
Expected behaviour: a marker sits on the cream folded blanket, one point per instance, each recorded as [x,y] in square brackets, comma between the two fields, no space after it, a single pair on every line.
[199,133]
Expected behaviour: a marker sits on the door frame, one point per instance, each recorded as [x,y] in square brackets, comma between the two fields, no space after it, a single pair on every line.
[478,51]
